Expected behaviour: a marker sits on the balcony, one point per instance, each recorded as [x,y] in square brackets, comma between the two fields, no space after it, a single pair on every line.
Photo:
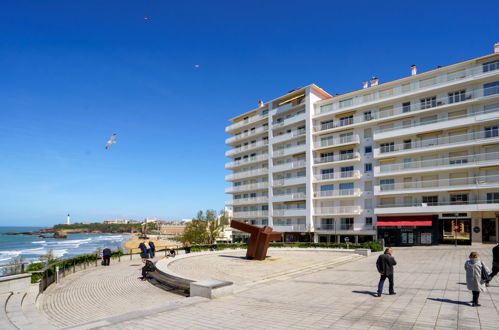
[338,176]
[290,212]
[300,228]
[340,229]
[336,194]
[438,207]
[480,182]
[289,136]
[440,80]
[297,180]
[247,187]
[437,143]
[245,122]
[297,149]
[250,214]
[338,210]
[339,141]
[246,135]
[349,157]
[289,197]
[417,126]
[246,201]
[246,174]
[249,160]
[289,121]
[248,147]
[288,106]
[439,164]
[289,166]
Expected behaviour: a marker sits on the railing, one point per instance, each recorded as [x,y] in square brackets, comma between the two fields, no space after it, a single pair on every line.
[247,147]
[442,161]
[248,160]
[337,210]
[341,140]
[245,187]
[418,122]
[245,122]
[288,106]
[248,214]
[289,212]
[337,158]
[290,165]
[284,137]
[13,268]
[290,227]
[469,72]
[289,120]
[245,174]
[424,184]
[254,200]
[337,175]
[289,151]
[247,134]
[436,141]
[292,196]
[289,181]
[440,203]
[338,193]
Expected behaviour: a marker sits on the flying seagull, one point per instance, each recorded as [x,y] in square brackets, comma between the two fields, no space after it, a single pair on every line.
[197,66]
[112,140]
[146,18]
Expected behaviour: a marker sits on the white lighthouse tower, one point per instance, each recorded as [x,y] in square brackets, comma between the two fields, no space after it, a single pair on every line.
[67,220]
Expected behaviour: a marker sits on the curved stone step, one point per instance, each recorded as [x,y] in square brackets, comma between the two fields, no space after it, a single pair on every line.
[15,313]
[31,311]
[4,321]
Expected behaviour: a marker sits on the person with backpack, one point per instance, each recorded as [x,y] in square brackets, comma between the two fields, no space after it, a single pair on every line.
[106,256]
[476,276]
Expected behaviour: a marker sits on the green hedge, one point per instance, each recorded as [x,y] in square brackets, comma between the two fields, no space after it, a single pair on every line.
[373,246]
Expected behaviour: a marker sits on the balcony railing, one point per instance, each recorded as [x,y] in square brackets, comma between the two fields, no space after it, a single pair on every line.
[289,121]
[247,187]
[472,137]
[243,201]
[440,203]
[290,181]
[340,140]
[245,122]
[337,175]
[476,182]
[291,228]
[337,210]
[418,122]
[290,150]
[248,160]
[247,147]
[291,212]
[337,158]
[287,136]
[250,214]
[290,197]
[289,165]
[442,79]
[338,193]
[246,174]
[247,134]
[457,161]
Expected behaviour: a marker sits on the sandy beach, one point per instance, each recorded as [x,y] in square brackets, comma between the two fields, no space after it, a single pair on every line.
[159,242]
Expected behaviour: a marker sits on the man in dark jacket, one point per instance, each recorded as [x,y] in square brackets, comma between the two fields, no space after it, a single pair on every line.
[152,249]
[495,263]
[144,253]
[385,265]
[148,267]
[106,256]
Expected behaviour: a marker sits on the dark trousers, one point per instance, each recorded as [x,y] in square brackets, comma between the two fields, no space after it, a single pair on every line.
[476,294]
[105,260]
[144,272]
[187,249]
[382,282]
[495,270]
[152,253]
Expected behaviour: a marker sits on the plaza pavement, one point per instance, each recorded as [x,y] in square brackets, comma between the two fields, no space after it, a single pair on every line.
[429,281]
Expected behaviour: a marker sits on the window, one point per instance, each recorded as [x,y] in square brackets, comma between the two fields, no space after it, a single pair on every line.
[326,108]
[491,88]
[430,200]
[387,184]
[368,150]
[458,96]
[327,187]
[346,188]
[327,224]
[346,103]
[346,223]
[368,132]
[406,107]
[346,120]
[346,137]
[346,171]
[327,124]
[387,147]
[368,186]
[368,167]
[369,221]
[407,144]
[491,131]
[368,116]
[428,102]
[428,120]
[459,199]
[368,203]
[490,66]
[493,197]
[407,162]
[346,154]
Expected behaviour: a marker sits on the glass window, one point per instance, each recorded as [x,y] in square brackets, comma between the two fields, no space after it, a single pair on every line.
[406,107]
[387,147]
[428,102]
[491,88]
[368,116]
[368,167]
[346,223]
[346,103]
[369,221]
[457,96]
[346,154]
[407,144]
[368,150]
[387,184]
[491,131]
[327,187]
[346,137]
[493,197]
[346,171]
[346,120]
[459,199]
[490,66]
[430,200]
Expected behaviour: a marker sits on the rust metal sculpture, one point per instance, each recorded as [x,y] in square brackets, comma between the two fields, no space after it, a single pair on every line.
[259,239]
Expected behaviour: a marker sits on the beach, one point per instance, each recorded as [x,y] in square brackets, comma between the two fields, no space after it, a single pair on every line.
[160,243]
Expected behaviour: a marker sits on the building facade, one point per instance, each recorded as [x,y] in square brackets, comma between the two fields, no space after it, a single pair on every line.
[413,161]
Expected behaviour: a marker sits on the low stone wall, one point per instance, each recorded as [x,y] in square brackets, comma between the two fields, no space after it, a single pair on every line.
[15,283]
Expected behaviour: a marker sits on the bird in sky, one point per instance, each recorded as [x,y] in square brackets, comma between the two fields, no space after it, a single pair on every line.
[112,140]
[197,66]
[146,19]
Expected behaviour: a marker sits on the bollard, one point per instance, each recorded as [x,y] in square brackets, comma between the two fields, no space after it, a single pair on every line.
[130,252]
[57,274]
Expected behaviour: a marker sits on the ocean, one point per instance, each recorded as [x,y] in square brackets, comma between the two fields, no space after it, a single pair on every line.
[31,247]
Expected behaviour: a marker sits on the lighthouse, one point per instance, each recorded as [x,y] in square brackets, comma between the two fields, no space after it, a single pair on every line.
[67,220]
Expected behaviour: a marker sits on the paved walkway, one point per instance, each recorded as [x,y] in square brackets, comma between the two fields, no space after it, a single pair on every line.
[101,292]
[430,295]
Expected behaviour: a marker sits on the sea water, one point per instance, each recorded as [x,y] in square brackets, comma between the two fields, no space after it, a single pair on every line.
[31,247]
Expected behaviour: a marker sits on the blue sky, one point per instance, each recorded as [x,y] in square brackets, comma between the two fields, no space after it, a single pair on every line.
[75,72]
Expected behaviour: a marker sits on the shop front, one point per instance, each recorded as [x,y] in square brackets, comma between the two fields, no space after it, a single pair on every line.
[408,230]
[455,228]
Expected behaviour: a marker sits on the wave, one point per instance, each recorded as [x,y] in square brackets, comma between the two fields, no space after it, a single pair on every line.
[38,242]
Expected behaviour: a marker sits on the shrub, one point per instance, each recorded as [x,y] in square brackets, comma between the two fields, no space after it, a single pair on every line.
[374,246]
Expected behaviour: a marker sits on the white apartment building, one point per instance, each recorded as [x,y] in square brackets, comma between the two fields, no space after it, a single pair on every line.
[413,161]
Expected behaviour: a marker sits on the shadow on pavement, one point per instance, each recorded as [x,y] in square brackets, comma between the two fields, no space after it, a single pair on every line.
[462,283]
[229,256]
[366,292]
[450,301]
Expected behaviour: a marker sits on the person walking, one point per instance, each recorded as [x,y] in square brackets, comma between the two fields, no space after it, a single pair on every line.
[495,263]
[106,256]
[152,249]
[476,276]
[187,246]
[144,253]
[385,264]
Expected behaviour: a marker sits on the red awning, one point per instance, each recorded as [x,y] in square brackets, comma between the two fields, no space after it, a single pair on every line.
[406,218]
[403,223]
